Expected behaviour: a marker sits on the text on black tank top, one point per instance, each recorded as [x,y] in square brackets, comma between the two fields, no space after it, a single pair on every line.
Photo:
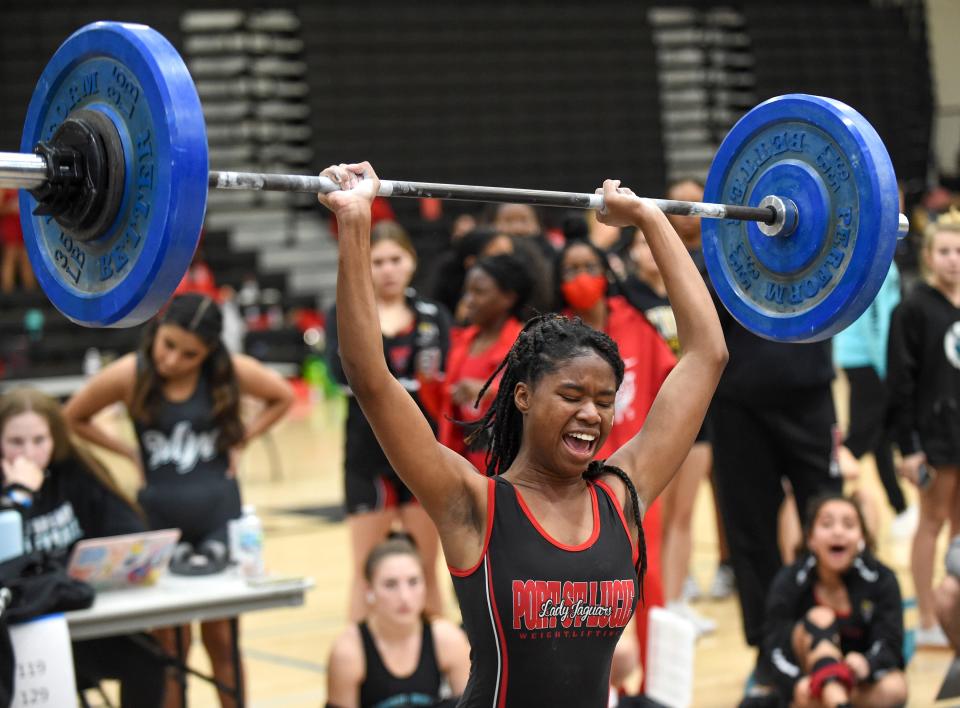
[542,617]
[381,689]
[181,440]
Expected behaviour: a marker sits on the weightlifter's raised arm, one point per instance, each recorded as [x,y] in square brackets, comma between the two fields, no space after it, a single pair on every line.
[447,486]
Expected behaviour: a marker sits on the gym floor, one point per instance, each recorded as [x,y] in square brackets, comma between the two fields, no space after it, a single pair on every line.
[294,479]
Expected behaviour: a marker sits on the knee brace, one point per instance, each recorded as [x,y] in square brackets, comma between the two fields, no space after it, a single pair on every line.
[826,670]
[829,634]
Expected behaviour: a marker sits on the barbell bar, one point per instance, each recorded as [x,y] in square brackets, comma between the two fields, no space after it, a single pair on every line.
[28,171]
[801,204]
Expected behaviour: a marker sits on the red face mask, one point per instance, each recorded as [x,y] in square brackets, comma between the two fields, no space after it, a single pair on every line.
[583,291]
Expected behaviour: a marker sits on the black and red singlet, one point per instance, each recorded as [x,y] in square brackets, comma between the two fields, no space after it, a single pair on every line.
[542,617]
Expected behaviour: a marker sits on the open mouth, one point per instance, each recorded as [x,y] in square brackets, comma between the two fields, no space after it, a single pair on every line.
[581,444]
[837,550]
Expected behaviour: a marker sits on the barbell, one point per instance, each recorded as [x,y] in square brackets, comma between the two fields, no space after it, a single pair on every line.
[801,205]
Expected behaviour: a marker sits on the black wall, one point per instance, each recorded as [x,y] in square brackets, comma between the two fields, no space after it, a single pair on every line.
[540,94]
[872,58]
[550,95]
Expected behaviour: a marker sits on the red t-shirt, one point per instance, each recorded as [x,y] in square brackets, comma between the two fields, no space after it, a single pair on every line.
[647,360]
[463,365]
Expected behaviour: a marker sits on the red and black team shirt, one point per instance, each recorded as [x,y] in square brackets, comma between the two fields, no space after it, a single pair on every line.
[543,618]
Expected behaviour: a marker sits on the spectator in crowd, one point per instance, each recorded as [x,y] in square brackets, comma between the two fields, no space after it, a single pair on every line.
[833,633]
[64,495]
[416,338]
[14,254]
[540,269]
[686,189]
[688,228]
[397,655]
[450,271]
[648,293]
[495,296]
[861,351]
[924,384]
[183,391]
[523,221]
[588,289]
[461,226]
[448,281]
[516,220]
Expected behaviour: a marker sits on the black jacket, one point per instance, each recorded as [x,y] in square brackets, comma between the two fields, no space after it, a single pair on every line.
[72,505]
[760,371]
[923,375]
[874,627]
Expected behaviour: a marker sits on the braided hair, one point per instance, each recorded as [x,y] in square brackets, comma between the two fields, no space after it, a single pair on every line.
[545,343]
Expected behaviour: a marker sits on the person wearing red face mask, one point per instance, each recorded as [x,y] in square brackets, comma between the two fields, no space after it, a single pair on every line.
[587,288]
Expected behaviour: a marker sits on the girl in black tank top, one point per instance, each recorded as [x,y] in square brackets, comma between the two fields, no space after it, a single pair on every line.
[381,688]
[532,596]
[188,485]
[545,563]
[183,390]
[430,659]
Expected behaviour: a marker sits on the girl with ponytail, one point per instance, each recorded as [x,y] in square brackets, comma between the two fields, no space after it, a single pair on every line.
[182,390]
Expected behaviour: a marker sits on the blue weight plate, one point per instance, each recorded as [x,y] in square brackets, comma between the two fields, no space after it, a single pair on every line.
[830,161]
[135,77]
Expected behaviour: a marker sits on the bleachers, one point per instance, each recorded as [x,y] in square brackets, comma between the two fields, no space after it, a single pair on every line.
[537,94]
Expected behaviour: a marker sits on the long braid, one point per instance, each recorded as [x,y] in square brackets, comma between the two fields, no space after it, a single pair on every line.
[599,467]
[500,410]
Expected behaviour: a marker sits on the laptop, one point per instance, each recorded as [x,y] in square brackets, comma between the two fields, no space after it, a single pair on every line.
[123,561]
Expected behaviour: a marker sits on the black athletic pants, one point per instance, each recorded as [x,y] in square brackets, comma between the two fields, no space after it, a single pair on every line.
[128,659]
[868,433]
[754,447]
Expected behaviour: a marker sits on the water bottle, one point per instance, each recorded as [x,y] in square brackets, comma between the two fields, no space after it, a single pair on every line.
[246,543]
[11,534]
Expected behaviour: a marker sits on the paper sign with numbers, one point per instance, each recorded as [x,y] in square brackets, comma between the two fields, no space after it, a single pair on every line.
[43,676]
